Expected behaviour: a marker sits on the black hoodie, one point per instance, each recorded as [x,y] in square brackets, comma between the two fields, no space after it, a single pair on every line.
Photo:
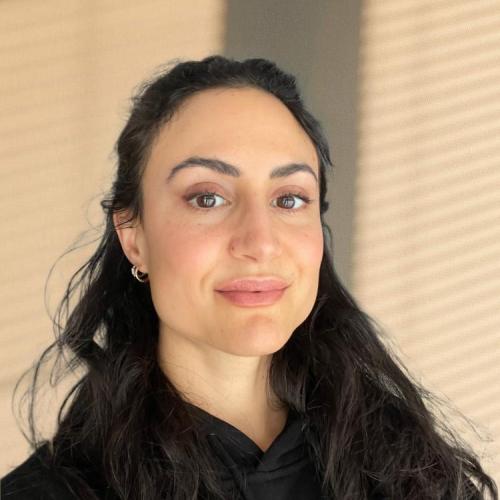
[283,471]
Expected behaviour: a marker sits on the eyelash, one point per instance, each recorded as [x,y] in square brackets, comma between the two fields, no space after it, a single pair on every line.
[304,198]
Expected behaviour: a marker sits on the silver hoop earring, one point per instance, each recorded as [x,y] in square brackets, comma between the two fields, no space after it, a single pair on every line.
[138,275]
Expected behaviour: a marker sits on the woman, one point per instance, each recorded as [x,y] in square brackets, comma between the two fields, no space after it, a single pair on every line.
[224,358]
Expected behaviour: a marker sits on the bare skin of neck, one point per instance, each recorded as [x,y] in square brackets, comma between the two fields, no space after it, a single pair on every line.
[262,428]
[235,391]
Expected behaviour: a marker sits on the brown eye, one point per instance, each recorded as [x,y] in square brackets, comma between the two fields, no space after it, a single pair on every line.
[289,201]
[290,204]
[204,198]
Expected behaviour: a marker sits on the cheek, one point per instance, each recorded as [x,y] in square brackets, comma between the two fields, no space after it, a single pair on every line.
[309,249]
[181,260]
[182,252]
[308,257]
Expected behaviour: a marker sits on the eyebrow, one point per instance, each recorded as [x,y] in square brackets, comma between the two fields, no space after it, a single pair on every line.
[225,168]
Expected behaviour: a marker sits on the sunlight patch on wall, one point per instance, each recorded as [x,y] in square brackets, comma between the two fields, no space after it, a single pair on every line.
[426,263]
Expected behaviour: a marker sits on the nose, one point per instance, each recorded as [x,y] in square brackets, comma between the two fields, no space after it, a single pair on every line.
[255,234]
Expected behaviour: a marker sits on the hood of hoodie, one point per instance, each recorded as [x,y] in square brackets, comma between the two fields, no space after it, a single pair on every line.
[283,471]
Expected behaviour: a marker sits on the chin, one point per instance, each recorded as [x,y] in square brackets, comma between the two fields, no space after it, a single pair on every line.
[262,346]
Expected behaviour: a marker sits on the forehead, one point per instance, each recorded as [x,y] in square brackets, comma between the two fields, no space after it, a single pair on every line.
[243,124]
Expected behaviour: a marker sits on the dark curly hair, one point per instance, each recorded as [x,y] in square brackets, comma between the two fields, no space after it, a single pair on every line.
[369,425]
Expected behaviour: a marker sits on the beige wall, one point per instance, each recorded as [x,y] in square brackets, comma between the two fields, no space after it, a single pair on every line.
[427,209]
[418,192]
[67,69]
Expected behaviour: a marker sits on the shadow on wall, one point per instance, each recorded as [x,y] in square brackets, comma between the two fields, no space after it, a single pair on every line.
[318,42]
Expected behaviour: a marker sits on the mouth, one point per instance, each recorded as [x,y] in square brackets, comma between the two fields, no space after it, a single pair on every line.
[253,298]
[253,285]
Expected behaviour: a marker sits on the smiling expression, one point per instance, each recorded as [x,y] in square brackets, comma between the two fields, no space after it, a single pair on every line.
[230,190]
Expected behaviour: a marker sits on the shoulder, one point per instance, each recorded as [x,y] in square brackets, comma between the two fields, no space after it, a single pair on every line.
[33,480]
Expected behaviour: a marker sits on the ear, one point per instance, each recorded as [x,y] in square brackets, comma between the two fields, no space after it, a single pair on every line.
[131,236]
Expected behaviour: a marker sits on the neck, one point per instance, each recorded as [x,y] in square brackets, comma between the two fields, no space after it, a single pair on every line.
[232,388]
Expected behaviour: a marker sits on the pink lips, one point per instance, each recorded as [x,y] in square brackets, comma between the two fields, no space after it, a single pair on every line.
[253,291]
[252,285]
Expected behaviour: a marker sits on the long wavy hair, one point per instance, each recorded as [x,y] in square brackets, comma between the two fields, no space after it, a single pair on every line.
[125,427]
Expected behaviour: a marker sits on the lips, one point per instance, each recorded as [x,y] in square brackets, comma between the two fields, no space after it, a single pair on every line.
[253,299]
[253,285]
[253,291]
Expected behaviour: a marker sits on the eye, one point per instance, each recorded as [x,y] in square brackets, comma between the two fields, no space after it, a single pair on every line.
[207,196]
[204,195]
[303,198]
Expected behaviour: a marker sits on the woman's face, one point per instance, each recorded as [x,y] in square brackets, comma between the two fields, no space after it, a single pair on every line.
[189,243]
